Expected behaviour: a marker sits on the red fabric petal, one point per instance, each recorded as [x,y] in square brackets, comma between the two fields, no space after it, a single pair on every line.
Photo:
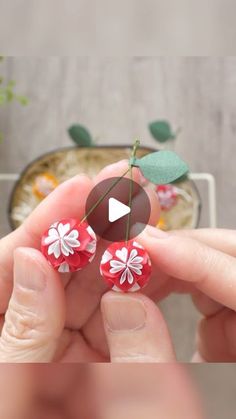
[81,256]
[167,196]
[114,279]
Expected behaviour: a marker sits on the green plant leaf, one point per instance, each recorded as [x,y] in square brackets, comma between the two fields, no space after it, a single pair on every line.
[80,135]
[22,100]
[161,167]
[2,98]
[11,83]
[161,131]
[9,95]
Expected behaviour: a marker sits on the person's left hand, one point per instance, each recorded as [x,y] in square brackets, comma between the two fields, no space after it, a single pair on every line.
[47,316]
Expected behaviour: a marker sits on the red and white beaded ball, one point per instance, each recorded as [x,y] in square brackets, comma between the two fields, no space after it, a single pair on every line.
[167,195]
[69,245]
[126,266]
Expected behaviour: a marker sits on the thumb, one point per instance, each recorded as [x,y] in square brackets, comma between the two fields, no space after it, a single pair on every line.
[36,313]
[135,328]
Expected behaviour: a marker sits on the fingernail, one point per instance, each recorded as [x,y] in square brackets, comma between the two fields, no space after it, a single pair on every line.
[123,313]
[156,232]
[27,270]
[136,229]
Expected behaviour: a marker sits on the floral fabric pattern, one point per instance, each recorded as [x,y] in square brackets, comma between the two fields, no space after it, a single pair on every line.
[62,240]
[167,195]
[69,245]
[125,266]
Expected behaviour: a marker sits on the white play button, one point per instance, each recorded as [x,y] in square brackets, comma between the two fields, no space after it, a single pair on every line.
[115,207]
[116,210]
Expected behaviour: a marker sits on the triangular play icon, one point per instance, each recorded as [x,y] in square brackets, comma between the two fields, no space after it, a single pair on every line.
[116,210]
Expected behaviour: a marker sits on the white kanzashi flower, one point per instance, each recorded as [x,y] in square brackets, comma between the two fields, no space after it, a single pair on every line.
[64,267]
[128,264]
[106,257]
[91,247]
[60,242]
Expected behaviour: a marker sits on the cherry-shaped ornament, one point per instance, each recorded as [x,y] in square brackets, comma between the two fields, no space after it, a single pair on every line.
[168,196]
[126,266]
[69,245]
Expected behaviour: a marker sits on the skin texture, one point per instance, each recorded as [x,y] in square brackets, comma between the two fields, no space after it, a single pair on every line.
[203,263]
[47,317]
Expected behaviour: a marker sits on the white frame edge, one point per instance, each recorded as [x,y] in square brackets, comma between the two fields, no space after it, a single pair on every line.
[209,178]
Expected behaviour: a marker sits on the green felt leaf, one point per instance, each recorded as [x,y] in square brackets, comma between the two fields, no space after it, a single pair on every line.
[80,135]
[161,131]
[161,167]
[181,179]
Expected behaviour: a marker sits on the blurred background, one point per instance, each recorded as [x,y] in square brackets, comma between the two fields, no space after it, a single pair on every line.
[148,27]
[117,391]
[116,99]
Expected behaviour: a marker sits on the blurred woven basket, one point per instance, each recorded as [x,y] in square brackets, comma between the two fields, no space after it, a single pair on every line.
[67,162]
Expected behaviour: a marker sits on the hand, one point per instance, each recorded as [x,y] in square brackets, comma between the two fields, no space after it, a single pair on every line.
[203,263]
[74,329]
[47,316]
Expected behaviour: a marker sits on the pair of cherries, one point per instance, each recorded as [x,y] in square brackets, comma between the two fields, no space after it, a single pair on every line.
[70,245]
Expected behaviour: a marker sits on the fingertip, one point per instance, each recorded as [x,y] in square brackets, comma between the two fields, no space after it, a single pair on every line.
[135,328]
[122,312]
[36,312]
[80,183]
[148,235]
[116,170]
[26,252]
[111,296]
[135,307]
[112,168]
[155,205]
[80,177]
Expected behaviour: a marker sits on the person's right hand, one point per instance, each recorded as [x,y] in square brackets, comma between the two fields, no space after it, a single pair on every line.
[203,263]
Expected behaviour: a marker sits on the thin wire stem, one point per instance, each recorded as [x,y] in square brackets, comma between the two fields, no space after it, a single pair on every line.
[133,154]
[103,196]
[98,202]
[130,205]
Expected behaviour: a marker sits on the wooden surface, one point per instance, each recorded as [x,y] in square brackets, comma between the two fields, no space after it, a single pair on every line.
[116,98]
[108,27]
